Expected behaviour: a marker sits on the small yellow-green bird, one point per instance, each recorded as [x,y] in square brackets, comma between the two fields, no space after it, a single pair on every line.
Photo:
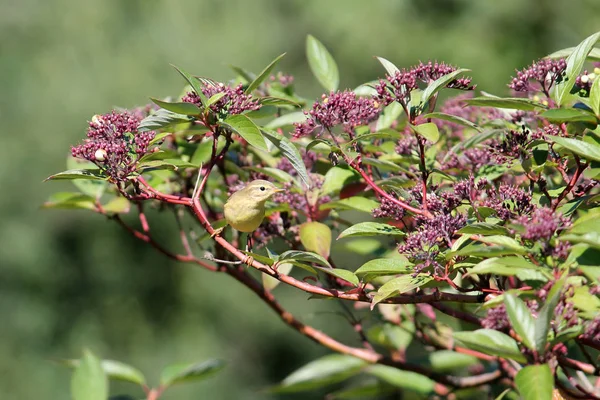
[245,209]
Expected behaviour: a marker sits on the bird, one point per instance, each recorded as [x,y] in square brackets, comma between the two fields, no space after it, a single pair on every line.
[244,211]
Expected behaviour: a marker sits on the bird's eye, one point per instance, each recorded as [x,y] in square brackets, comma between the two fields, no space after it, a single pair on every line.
[262,188]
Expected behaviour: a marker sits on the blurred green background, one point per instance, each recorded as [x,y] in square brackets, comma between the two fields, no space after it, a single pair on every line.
[71,279]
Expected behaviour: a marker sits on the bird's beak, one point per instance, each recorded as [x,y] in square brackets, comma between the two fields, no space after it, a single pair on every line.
[279,190]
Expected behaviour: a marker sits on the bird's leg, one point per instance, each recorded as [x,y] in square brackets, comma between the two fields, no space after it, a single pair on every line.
[217,232]
[248,260]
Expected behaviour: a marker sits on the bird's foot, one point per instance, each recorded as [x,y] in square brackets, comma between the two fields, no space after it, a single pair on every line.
[217,232]
[248,260]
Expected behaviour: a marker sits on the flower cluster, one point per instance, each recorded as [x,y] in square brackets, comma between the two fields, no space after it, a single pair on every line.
[542,224]
[282,79]
[514,145]
[424,243]
[114,144]
[388,209]
[544,73]
[234,100]
[339,108]
[299,201]
[399,86]
[508,201]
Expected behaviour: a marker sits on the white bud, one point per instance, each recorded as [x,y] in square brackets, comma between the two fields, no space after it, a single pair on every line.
[96,119]
[585,79]
[597,70]
[592,76]
[100,155]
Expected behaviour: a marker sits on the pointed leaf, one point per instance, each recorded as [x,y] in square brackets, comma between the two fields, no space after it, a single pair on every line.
[428,130]
[322,64]
[400,285]
[178,108]
[247,129]
[595,96]
[535,382]
[389,66]
[515,103]
[403,379]
[316,237]
[179,373]
[303,256]
[289,151]
[161,119]
[93,174]
[214,98]
[390,114]
[344,274]
[560,115]
[324,371]
[453,118]
[589,151]
[439,83]
[70,201]
[357,203]
[263,75]
[89,381]
[492,342]
[371,229]
[117,205]
[521,319]
[194,83]
[383,267]
[336,178]
[575,63]
[483,228]
[546,314]
[270,283]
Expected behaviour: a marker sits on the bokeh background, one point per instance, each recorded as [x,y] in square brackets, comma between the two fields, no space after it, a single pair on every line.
[70,280]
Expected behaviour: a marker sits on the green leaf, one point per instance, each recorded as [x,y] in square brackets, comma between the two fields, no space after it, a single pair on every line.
[172,164]
[270,283]
[448,360]
[390,114]
[515,103]
[263,75]
[535,382]
[180,373]
[483,228]
[389,66]
[214,98]
[521,319]
[324,371]
[428,130]
[247,129]
[575,63]
[594,55]
[194,83]
[290,152]
[278,102]
[587,150]
[363,390]
[383,267]
[545,316]
[492,342]
[595,96]
[357,203]
[399,285]
[287,120]
[117,205]
[454,119]
[560,115]
[93,174]
[317,142]
[344,274]
[303,256]
[338,177]
[316,237]
[161,119]
[89,380]
[70,201]
[178,108]
[505,266]
[438,84]
[322,64]
[403,379]
[371,229]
